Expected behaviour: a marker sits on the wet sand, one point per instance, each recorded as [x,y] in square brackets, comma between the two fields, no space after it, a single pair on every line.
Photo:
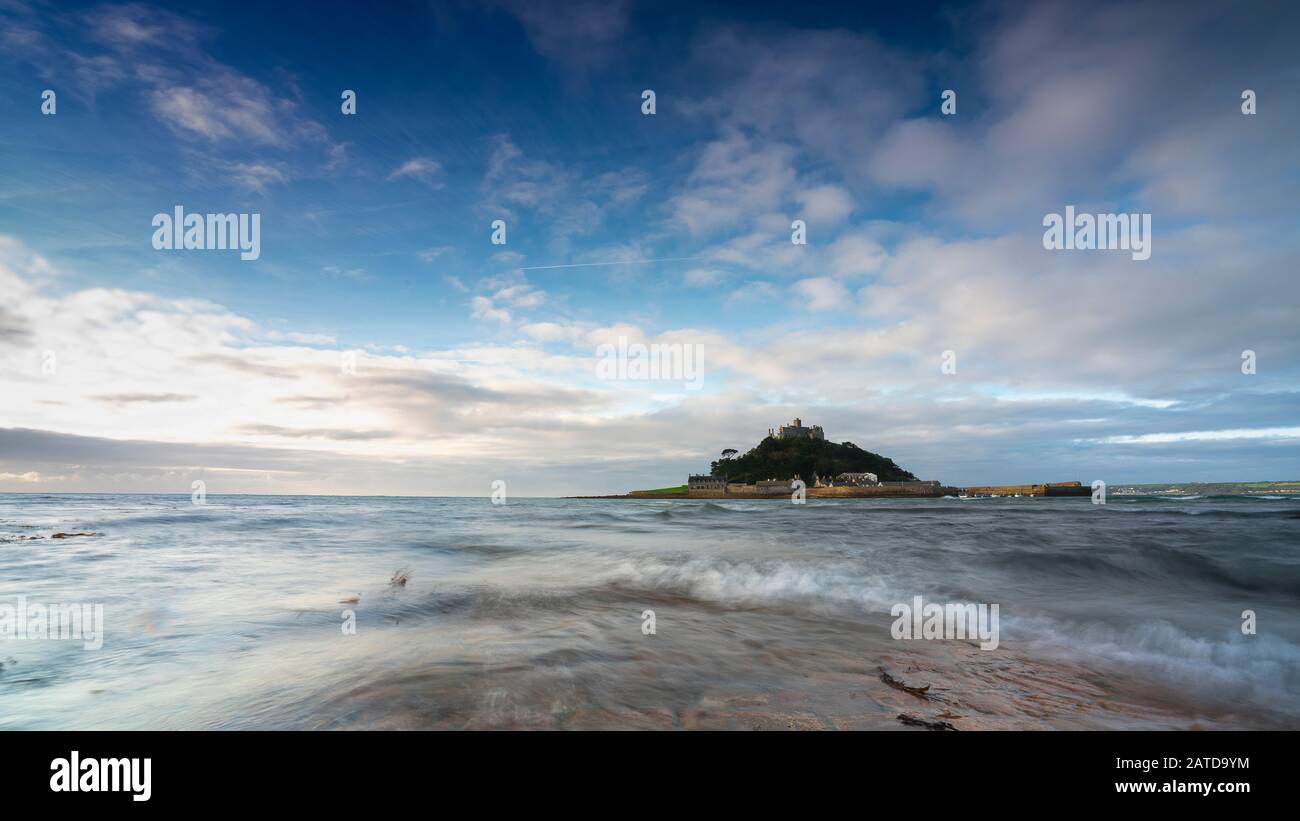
[775,685]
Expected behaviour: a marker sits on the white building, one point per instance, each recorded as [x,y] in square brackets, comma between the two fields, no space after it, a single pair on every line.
[857,479]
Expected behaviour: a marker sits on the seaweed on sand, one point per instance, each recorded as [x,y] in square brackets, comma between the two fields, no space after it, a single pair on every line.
[919,692]
[913,721]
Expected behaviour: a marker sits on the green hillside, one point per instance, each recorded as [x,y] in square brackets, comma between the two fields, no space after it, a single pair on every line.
[787,458]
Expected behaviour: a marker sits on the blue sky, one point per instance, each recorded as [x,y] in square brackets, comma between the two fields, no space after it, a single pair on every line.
[924,235]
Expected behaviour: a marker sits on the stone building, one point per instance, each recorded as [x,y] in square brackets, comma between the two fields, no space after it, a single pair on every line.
[695,482]
[773,487]
[796,430]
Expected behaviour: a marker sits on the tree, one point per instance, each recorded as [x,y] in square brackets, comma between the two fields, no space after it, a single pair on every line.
[729,452]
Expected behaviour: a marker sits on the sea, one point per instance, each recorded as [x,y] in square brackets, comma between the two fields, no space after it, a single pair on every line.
[314,612]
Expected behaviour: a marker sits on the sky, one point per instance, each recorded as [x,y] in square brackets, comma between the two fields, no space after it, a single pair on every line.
[382,343]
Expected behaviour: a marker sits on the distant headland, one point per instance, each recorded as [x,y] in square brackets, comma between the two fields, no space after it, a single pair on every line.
[794,453]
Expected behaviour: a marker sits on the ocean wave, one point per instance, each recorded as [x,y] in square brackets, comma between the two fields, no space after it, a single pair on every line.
[1244,514]
[637,519]
[1213,512]
[754,582]
[197,514]
[1143,559]
[1261,668]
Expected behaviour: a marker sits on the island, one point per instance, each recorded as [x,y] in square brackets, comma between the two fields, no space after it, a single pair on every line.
[794,453]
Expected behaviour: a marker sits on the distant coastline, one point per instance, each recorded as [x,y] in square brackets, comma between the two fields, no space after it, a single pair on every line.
[1057,489]
[1291,488]
[893,490]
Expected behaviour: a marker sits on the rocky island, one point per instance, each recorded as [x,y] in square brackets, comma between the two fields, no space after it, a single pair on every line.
[793,454]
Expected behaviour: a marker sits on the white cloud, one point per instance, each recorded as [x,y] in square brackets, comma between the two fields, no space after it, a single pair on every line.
[520,296]
[483,308]
[256,176]
[301,338]
[734,179]
[223,106]
[824,205]
[855,255]
[424,169]
[507,259]
[569,202]
[703,277]
[167,55]
[756,291]
[552,331]
[212,395]
[1203,436]
[203,382]
[823,293]
[430,254]
[30,477]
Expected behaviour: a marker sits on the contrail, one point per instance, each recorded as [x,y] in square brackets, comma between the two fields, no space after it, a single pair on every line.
[594,264]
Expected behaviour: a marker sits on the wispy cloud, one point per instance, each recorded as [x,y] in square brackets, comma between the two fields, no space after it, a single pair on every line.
[1204,436]
[423,169]
[579,34]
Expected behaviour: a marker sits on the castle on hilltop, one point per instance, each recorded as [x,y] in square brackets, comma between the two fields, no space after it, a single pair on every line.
[796,430]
